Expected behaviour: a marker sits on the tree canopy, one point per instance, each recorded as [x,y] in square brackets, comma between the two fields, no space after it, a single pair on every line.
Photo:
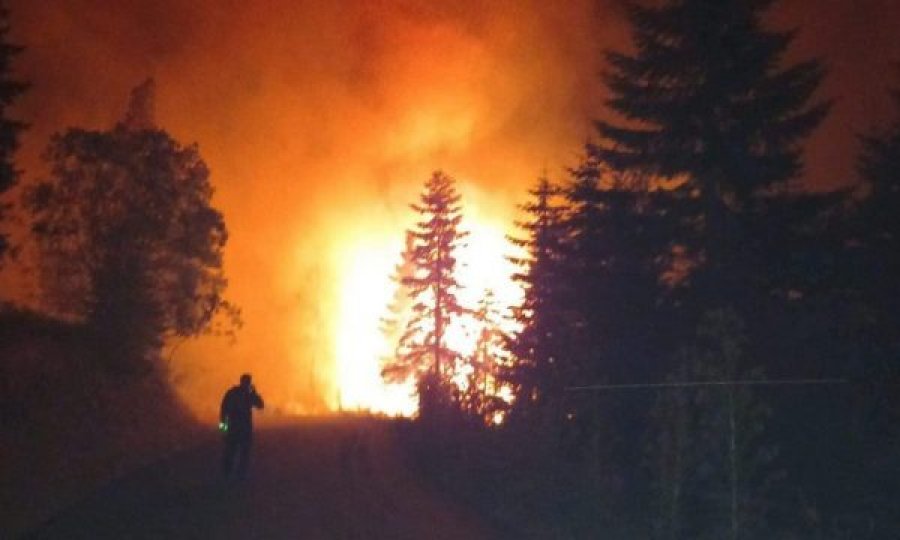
[128,239]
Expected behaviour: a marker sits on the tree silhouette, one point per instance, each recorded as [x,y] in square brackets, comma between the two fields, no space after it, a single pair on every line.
[871,267]
[619,241]
[128,240]
[423,352]
[878,225]
[10,89]
[704,101]
[540,344]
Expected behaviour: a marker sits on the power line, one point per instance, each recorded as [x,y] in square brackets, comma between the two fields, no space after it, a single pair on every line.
[689,384]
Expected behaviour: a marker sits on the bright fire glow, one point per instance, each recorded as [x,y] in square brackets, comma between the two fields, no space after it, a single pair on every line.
[366,289]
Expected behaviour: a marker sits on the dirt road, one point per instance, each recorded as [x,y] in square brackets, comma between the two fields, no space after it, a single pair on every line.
[304,484]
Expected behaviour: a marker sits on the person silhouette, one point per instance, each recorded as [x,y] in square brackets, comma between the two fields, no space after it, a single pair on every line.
[236,417]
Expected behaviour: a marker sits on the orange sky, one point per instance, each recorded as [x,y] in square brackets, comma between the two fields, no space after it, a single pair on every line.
[320,120]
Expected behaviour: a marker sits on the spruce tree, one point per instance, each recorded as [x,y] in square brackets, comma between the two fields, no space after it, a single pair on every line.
[423,351]
[872,264]
[877,244]
[539,346]
[619,251]
[704,101]
[585,259]
[10,129]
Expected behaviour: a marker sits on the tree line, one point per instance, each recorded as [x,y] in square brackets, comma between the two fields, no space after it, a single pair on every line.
[683,248]
[127,244]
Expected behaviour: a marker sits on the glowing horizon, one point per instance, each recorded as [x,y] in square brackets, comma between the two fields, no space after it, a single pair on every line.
[318,135]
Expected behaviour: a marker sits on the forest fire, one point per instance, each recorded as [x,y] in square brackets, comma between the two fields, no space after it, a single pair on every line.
[317,142]
[365,291]
[517,268]
[316,156]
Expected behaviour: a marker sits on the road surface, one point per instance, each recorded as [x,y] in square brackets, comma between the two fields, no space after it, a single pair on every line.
[302,485]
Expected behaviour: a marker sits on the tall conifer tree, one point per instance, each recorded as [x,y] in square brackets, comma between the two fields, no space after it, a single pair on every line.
[539,346]
[433,287]
[618,250]
[704,99]
[877,245]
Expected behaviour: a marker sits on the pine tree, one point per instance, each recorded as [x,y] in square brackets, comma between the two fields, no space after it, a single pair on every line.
[540,345]
[705,102]
[10,89]
[585,259]
[619,251]
[423,351]
[877,232]
[872,264]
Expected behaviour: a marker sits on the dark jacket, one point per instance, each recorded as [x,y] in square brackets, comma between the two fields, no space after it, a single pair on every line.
[237,411]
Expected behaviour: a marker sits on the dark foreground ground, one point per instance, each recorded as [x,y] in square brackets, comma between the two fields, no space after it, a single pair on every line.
[308,481]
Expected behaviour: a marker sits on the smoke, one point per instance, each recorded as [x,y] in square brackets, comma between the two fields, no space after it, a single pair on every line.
[857,42]
[320,120]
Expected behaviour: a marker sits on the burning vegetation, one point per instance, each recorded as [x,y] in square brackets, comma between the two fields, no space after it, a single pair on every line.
[607,351]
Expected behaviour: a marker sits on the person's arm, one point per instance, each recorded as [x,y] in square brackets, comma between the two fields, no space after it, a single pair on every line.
[255,399]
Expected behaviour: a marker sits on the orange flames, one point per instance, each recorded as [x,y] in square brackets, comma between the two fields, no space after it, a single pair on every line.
[320,122]
[365,290]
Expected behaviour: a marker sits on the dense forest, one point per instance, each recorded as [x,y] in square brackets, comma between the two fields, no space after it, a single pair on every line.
[128,255]
[707,346]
